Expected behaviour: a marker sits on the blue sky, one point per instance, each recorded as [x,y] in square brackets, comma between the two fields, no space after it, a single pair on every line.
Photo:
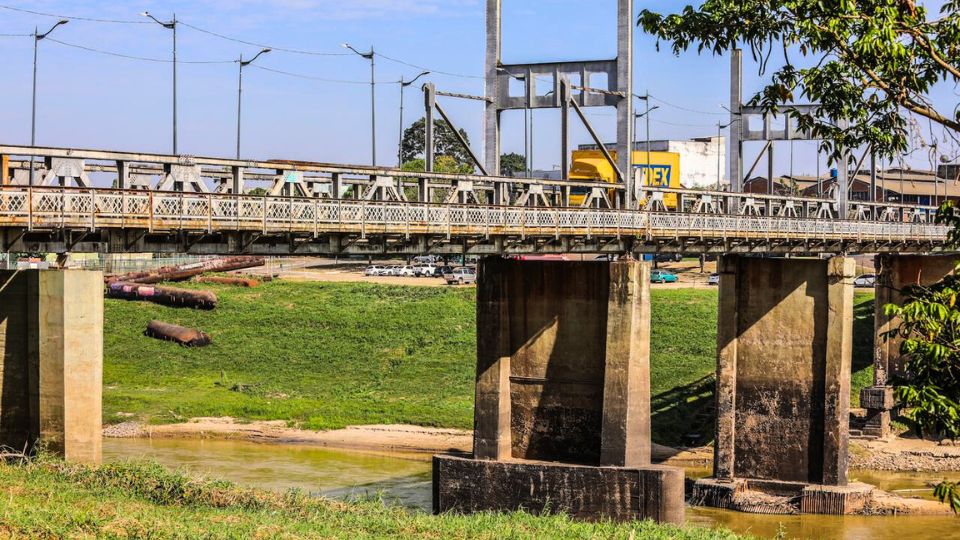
[94,100]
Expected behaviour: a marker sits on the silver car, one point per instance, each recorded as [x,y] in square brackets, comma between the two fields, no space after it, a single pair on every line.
[461,276]
[865,281]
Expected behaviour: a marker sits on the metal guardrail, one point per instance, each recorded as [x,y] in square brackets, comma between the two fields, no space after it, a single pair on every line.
[46,208]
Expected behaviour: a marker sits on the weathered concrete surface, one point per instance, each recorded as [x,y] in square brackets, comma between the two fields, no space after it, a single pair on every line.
[563,376]
[51,338]
[894,272]
[563,362]
[590,493]
[783,369]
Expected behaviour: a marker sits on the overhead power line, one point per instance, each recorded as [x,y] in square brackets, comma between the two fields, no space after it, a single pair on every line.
[16,35]
[72,18]
[687,109]
[313,78]
[133,57]
[262,45]
[431,70]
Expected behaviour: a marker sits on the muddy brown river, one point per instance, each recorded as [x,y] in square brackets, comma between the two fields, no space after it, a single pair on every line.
[406,480]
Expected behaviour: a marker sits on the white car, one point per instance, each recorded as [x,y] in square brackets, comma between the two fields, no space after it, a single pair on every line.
[375,270]
[424,270]
[865,281]
[461,275]
[405,271]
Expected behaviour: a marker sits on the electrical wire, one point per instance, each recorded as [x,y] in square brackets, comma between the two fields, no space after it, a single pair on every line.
[16,35]
[687,109]
[431,70]
[72,18]
[140,58]
[312,78]
[261,45]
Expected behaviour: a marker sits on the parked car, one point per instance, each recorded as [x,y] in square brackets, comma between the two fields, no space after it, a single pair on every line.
[395,270]
[461,275]
[426,259]
[441,271]
[714,279]
[662,276]
[375,270]
[424,270]
[865,281]
[405,271]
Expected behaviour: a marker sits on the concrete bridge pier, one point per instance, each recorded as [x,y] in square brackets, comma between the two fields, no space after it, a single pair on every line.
[562,419]
[51,362]
[784,347]
[894,273]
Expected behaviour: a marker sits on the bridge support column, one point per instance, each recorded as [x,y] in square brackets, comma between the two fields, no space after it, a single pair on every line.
[562,418]
[784,347]
[894,272]
[51,346]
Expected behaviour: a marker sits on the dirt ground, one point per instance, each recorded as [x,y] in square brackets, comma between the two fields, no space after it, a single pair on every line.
[329,270]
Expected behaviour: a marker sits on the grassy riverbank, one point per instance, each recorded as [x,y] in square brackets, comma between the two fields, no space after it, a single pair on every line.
[49,499]
[327,355]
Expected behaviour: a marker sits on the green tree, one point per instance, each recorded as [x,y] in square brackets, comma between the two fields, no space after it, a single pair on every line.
[257,191]
[871,66]
[930,328]
[865,61]
[512,163]
[445,143]
[441,164]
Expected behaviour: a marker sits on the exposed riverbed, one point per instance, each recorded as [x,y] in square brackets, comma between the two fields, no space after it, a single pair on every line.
[406,479]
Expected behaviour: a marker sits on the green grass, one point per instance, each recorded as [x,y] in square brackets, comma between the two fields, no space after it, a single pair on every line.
[319,355]
[328,355]
[50,499]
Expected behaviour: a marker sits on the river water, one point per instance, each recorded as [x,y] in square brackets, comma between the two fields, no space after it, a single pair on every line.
[405,479]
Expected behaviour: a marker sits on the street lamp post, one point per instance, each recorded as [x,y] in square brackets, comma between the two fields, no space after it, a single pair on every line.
[33,117]
[403,85]
[645,114]
[243,63]
[170,25]
[720,127]
[373,99]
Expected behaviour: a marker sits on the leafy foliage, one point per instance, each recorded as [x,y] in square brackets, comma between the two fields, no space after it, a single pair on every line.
[864,61]
[445,142]
[930,330]
[441,164]
[512,163]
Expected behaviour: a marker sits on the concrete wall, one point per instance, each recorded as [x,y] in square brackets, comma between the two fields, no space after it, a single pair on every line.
[563,362]
[783,378]
[562,418]
[894,273]
[51,339]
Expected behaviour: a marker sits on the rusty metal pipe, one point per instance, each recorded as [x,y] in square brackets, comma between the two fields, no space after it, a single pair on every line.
[188,337]
[166,296]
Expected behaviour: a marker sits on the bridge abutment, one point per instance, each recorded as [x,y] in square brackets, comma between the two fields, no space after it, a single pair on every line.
[562,419]
[51,346]
[784,347]
[894,273]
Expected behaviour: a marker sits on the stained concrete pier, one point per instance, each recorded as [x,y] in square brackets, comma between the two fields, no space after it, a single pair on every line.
[562,419]
[784,347]
[51,347]
[894,273]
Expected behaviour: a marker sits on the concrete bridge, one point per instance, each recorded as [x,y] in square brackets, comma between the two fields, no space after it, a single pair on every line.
[166,203]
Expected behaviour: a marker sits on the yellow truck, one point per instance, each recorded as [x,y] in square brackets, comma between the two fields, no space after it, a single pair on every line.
[664,171]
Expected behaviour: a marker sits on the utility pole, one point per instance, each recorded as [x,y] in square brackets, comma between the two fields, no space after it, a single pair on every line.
[33,117]
[171,25]
[403,85]
[720,127]
[243,63]
[373,99]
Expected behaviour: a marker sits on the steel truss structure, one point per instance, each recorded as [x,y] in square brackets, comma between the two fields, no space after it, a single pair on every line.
[351,209]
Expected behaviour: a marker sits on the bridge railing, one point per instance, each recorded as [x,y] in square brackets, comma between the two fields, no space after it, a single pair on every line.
[41,208]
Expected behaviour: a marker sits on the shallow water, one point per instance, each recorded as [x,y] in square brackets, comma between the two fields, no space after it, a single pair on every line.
[406,479]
